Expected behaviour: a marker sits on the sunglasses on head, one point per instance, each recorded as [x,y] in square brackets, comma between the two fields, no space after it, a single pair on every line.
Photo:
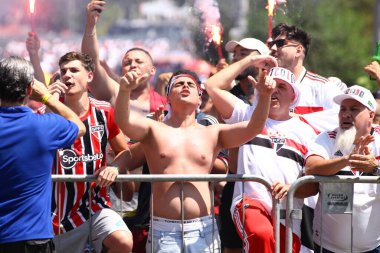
[279,43]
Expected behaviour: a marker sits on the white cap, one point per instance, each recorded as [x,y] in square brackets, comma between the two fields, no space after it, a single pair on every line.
[248,43]
[288,77]
[360,94]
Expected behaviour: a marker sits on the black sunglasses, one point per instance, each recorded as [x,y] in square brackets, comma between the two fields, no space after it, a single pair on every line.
[279,43]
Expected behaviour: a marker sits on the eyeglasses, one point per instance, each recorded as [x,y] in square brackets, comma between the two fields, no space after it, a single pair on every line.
[280,43]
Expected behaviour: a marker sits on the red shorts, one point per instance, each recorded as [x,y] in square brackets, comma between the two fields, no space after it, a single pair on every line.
[258,228]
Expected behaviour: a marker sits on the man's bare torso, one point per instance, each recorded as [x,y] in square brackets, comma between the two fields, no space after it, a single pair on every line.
[190,150]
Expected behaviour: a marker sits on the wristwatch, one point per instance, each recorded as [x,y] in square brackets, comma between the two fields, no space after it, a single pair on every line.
[376,171]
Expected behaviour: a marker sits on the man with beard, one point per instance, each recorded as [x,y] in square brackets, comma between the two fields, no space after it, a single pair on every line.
[351,149]
[229,237]
[290,46]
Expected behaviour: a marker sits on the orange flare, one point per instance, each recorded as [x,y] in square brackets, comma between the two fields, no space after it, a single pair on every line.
[271,6]
[216,34]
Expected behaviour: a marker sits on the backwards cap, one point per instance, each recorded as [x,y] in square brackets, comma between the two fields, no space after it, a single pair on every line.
[288,77]
[360,94]
[248,43]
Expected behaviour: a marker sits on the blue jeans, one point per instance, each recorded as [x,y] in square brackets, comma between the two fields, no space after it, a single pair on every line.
[198,238]
[317,249]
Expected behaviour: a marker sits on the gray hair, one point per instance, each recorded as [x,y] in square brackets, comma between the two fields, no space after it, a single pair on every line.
[16,74]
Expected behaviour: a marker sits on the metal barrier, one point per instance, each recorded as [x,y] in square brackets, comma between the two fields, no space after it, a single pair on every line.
[186,178]
[295,213]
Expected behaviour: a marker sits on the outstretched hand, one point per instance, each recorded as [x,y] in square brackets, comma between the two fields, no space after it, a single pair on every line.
[131,80]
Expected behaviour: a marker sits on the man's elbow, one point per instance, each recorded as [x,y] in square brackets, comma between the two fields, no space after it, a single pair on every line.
[81,130]
[307,190]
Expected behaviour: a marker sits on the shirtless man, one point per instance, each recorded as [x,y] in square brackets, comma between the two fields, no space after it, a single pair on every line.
[179,145]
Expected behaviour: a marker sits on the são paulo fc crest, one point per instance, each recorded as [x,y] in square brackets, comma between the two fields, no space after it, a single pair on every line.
[277,139]
[97,131]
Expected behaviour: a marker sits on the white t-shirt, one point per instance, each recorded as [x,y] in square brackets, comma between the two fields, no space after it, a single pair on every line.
[335,234]
[277,154]
[316,103]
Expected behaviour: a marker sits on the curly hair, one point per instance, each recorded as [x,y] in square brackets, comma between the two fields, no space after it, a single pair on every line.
[16,74]
[292,32]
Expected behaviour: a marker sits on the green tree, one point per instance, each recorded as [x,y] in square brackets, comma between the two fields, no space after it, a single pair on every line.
[341,31]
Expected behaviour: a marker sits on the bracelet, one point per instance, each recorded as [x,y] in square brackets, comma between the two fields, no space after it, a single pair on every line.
[45,98]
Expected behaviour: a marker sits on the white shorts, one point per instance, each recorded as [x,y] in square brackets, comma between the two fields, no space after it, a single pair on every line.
[104,223]
[199,235]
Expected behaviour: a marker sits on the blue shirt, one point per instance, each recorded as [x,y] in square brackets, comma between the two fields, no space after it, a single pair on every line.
[28,145]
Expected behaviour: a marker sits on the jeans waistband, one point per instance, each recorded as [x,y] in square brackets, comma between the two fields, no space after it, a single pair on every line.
[201,219]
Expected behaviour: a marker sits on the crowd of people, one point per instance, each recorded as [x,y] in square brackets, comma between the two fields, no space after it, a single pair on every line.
[263,114]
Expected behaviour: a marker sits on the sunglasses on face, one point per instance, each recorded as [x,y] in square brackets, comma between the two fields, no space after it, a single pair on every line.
[279,43]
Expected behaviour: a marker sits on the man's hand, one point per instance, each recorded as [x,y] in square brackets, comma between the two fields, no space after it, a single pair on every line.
[159,115]
[266,84]
[373,70]
[33,43]
[106,175]
[38,91]
[263,61]
[131,80]
[57,88]
[280,190]
[361,158]
[94,8]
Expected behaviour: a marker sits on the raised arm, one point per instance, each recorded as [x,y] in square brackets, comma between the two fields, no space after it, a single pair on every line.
[41,94]
[237,134]
[33,46]
[216,85]
[132,124]
[103,87]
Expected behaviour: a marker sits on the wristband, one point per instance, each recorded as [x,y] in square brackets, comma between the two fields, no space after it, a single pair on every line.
[45,98]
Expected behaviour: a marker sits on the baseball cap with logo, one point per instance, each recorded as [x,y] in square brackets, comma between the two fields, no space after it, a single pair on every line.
[288,77]
[248,43]
[360,94]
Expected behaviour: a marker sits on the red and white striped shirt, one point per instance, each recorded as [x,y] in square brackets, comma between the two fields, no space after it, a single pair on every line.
[84,157]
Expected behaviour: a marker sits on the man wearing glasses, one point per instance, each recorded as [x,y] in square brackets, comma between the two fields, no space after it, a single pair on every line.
[290,46]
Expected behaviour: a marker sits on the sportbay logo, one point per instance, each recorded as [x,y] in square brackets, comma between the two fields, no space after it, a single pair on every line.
[69,158]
